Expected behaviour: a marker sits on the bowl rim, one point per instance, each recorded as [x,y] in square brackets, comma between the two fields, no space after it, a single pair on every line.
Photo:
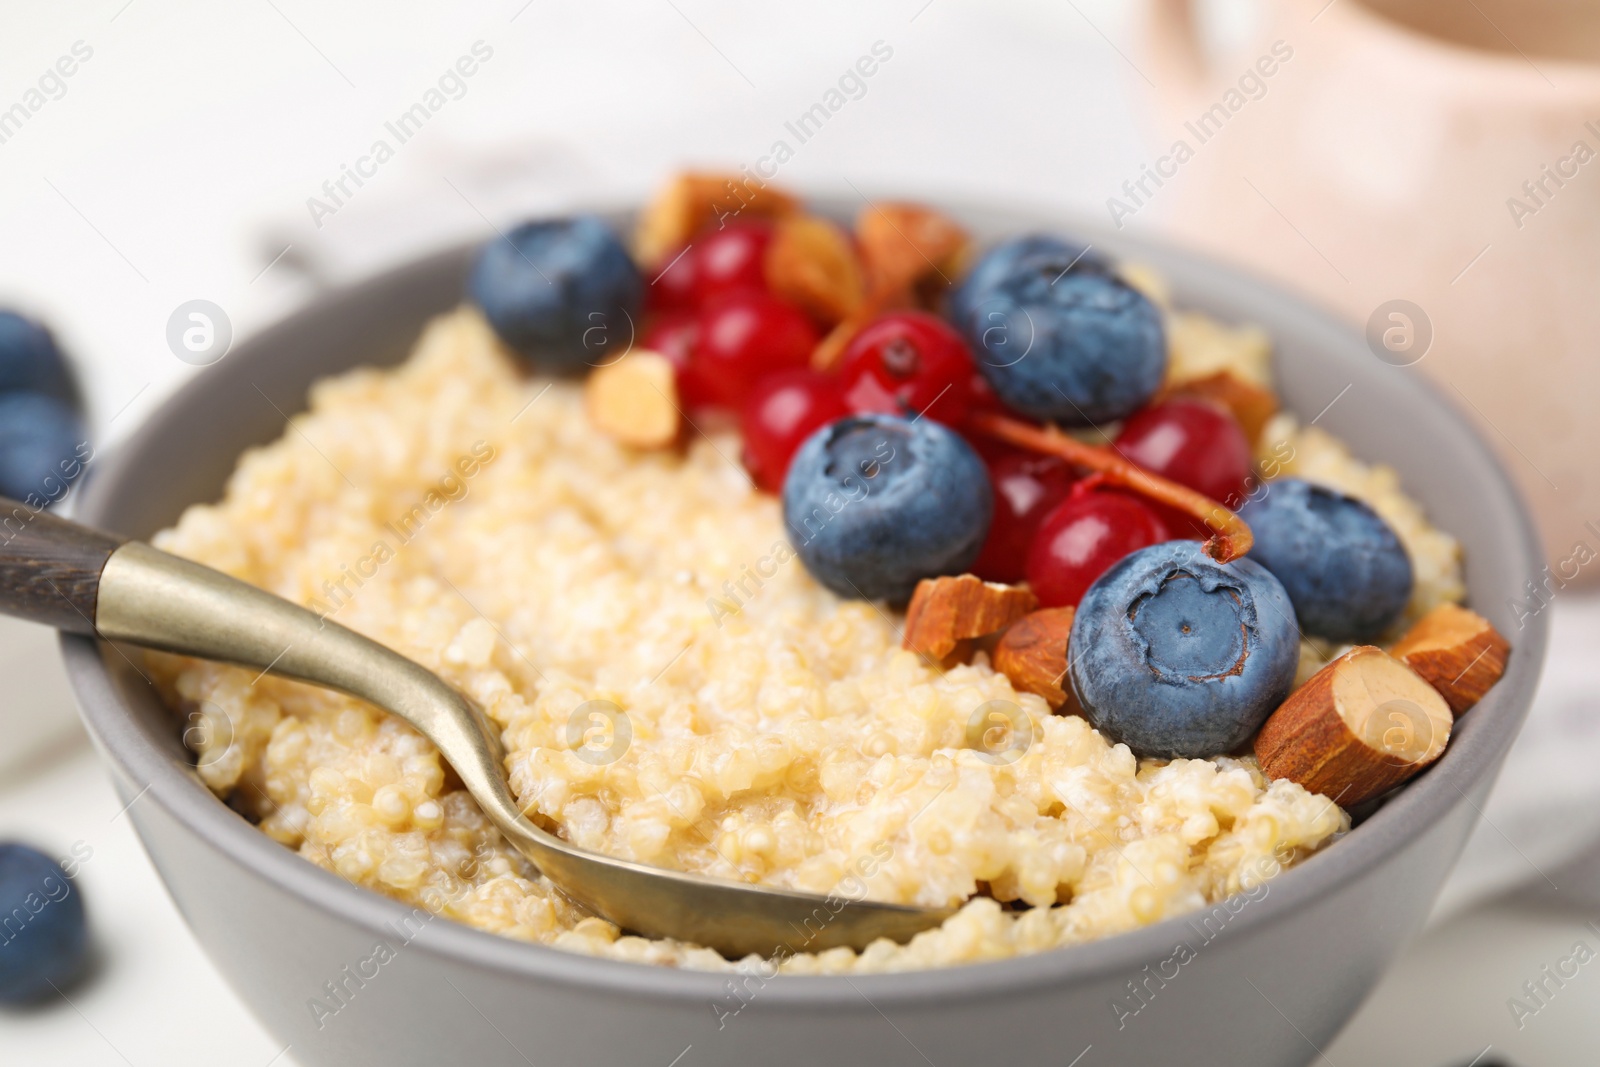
[1475,753]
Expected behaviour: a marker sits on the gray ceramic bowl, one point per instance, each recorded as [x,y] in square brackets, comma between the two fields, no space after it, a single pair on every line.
[1282,976]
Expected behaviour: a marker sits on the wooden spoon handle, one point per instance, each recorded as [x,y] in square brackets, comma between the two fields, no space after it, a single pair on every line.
[50,568]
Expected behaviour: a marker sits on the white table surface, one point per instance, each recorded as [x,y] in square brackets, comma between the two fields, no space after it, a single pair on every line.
[178,163]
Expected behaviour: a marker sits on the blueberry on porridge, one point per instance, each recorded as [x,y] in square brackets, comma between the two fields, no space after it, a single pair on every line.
[1345,570]
[876,503]
[866,613]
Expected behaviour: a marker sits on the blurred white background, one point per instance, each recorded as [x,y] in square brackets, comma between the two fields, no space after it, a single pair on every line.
[178,164]
[180,159]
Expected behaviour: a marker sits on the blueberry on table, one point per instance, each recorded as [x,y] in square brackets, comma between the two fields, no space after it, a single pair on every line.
[1077,348]
[40,438]
[43,936]
[1036,251]
[562,292]
[875,503]
[1346,572]
[1176,655]
[30,360]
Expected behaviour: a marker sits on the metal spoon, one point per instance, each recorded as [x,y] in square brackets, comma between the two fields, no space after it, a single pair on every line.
[81,580]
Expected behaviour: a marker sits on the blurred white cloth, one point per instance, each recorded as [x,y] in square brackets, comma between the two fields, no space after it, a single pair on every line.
[37,714]
[1541,827]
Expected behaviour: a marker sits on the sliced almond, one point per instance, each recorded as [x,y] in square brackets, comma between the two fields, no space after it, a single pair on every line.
[1362,725]
[1032,652]
[1457,652]
[810,262]
[690,203]
[910,251]
[1250,404]
[635,400]
[946,611]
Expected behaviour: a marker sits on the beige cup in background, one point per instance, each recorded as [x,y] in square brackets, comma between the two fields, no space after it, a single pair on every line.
[1431,169]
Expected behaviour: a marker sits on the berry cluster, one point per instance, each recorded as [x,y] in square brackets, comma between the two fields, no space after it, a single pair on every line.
[913,433]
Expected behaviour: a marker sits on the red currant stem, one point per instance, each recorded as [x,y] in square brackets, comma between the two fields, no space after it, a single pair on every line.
[1230,537]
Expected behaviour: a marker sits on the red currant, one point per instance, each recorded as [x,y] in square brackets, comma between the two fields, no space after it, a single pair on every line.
[672,335]
[742,338]
[984,398]
[986,401]
[1193,443]
[1082,537]
[783,410]
[1026,488]
[673,287]
[731,260]
[909,363]
[718,262]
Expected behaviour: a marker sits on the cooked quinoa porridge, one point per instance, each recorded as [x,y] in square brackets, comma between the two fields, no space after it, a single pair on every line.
[471,518]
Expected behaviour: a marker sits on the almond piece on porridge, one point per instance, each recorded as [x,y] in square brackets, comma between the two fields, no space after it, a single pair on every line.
[691,202]
[1456,651]
[635,400]
[1250,404]
[1362,725]
[910,251]
[1032,652]
[811,263]
[911,254]
[947,611]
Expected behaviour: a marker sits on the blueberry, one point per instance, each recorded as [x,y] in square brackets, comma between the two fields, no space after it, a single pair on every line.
[1176,655]
[1345,570]
[560,291]
[30,360]
[875,503]
[1037,250]
[40,438]
[1079,348]
[43,936]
